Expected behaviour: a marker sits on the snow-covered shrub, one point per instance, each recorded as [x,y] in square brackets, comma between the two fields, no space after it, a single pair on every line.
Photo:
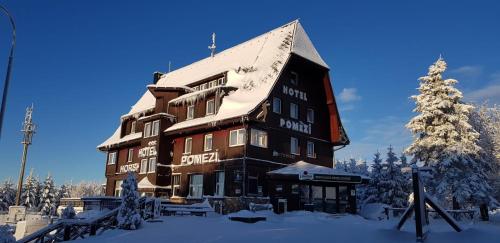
[6,234]
[68,212]
[128,215]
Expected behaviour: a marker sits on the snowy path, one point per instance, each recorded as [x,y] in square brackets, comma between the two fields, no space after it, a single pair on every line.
[293,227]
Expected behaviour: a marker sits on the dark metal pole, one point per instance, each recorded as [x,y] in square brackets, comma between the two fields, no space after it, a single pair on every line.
[9,67]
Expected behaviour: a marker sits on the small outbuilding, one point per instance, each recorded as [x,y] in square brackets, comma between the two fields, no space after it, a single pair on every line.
[305,186]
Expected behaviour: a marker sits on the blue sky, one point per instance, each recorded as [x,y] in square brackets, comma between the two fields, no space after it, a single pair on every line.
[84,63]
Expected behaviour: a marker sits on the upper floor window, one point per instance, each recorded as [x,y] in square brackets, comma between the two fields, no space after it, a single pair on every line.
[207,144]
[112,158]
[294,111]
[237,137]
[147,129]
[277,105]
[310,150]
[221,81]
[130,155]
[188,143]
[210,109]
[310,115]
[176,183]
[294,78]
[190,112]
[152,165]
[258,138]
[294,146]
[144,166]
[132,127]
[156,128]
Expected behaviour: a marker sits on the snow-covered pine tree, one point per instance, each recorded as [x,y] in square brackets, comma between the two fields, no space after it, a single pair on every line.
[362,167]
[63,192]
[48,199]
[407,174]
[352,166]
[38,192]
[445,141]
[128,216]
[6,235]
[29,192]
[7,195]
[373,193]
[392,182]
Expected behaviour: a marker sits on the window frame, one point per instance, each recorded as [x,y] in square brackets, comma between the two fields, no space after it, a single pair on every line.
[195,186]
[174,185]
[130,155]
[207,113]
[296,80]
[219,189]
[188,116]
[292,148]
[152,167]
[118,187]
[112,155]
[147,129]
[211,136]
[313,154]
[155,128]
[258,140]
[144,166]
[296,112]
[237,132]
[276,99]
[190,139]
[133,127]
[310,119]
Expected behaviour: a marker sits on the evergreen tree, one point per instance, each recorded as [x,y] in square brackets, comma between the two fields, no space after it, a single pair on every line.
[29,192]
[48,199]
[38,192]
[352,166]
[128,216]
[63,192]
[7,195]
[408,187]
[362,167]
[373,192]
[393,182]
[445,141]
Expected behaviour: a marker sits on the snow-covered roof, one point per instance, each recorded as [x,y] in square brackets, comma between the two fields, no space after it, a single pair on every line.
[300,167]
[115,138]
[145,183]
[253,67]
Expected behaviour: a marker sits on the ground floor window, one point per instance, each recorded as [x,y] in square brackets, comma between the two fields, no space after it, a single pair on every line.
[176,183]
[152,165]
[253,185]
[219,183]
[118,188]
[144,166]
[196,186]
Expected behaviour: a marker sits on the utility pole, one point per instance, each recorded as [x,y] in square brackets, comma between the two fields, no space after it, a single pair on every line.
[9,67]
[28,130]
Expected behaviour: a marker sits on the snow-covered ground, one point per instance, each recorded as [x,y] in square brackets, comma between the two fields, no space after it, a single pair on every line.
[296,227]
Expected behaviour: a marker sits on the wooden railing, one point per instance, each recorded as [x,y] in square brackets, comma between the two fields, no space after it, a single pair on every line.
[72,229]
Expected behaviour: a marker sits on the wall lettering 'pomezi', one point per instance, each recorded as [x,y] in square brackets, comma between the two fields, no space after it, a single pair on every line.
[295,125]
[198,159]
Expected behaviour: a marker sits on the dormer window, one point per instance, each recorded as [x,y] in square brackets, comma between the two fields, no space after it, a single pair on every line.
[132,127]
[221,81]
[210,109]
[294,78]
[190,112]
[147,129]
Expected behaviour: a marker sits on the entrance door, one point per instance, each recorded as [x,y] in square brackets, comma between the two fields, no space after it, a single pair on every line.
[317,197]
[343,199]
[330,200]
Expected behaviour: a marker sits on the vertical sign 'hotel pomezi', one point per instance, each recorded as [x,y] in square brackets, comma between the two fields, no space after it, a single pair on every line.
[257,122]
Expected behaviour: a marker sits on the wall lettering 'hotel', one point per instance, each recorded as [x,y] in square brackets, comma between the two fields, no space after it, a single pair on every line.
[297,126]
[294,93]
[198,159]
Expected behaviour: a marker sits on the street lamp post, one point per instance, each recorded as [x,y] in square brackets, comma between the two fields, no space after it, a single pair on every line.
[9,67]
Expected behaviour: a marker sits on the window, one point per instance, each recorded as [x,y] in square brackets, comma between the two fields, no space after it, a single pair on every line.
[152,165]
[310,115]
[258,138]
[156,128]
[294,110]
[118,188]
[132,127]
[207,144]
[253,184]
[176,183]
[220,81]
[294,146]
[130,155]
[237,137]
[190,112]
[112,158]
[212,84]
[210,109]
[294,78]
[147,129]
[196,186]
[188,143]
[310,150]
[144,166]
[219,183]
[277,105]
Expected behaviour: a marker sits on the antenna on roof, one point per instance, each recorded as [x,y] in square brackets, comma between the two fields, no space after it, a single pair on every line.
[212,47]
[169,66]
